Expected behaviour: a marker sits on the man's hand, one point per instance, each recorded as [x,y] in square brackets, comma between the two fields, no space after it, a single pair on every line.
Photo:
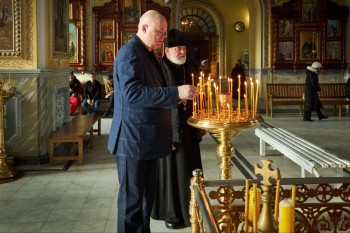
[187,91]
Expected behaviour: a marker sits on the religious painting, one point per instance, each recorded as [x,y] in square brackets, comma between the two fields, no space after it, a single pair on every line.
[285,28]
[309,45]
[107,29]
[333,28]
[333,49]
[73,43]
[10,31]
[127,36]
[132,11]
[309,13]
[107,52]
[60,28]
[285,51]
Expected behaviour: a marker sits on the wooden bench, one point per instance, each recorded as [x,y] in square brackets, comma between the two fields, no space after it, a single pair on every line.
[307,155]
[74,132]
[283,94]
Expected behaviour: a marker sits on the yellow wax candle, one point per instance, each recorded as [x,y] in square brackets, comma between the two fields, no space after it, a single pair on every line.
[239,103]
[246,96]
[239,94]
[252,95]
[220,84]
[294,192]
[217,101]
[245,104]
[256,96]
[254,196]
[193,105]
[286,216]
[192,80]
[229,111]
[231,91]
[200,93]
[228,85]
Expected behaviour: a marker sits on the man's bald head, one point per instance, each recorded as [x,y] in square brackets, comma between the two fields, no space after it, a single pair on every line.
[152,29]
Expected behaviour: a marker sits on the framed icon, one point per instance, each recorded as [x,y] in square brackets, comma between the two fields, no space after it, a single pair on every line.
[107,52]
[333,28]
[333,50]
[285,28]
[309,45]
[107,29]
[285,51]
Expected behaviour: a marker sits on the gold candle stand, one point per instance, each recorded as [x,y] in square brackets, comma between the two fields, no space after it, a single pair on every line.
[266,222]
[224,130]
[7,172]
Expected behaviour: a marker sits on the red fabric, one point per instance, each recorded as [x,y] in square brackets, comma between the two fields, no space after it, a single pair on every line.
[74,104]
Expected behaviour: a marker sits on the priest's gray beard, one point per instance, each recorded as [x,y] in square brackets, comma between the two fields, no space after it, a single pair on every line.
[177,60]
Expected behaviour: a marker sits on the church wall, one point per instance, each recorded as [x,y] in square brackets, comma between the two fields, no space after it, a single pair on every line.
[34,111]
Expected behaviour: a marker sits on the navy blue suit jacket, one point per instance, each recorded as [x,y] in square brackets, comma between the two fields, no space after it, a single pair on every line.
[141,125]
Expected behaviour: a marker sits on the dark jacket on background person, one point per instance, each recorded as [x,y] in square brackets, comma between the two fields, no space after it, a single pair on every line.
[92,90]
[312,100]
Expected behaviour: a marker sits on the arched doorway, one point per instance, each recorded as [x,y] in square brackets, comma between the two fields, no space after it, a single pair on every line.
[200,33]
[205,29]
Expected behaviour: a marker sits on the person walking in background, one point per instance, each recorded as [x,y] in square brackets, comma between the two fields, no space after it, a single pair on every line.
[91,94]
[75,88]
[238,70]
[109,95]
[175,171]
[140,132]
[311,99]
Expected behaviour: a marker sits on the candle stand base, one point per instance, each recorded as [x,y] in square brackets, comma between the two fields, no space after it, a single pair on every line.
[7,172]
[224,130]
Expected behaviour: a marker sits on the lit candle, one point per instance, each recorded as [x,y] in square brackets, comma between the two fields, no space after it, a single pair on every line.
[228,85]
[286,216]
[229,111]
[246,97]
[239,94]
[252,95]
[256,96]
[200,93]
[245,104]
[239,103]
[294,192]
[217,100]
[254,196]
[231,91]
[193,105]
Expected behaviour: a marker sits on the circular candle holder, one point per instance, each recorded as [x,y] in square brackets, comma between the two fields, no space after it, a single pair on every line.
[224,125]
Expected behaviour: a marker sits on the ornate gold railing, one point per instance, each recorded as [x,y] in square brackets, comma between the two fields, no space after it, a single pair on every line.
[322,204]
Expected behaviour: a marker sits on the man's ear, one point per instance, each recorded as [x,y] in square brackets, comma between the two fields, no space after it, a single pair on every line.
[144,28]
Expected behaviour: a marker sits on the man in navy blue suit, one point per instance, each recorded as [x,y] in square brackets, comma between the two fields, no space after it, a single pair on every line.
[141,126]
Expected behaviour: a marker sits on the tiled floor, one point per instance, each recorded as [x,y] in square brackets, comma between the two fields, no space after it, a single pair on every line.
[83,198]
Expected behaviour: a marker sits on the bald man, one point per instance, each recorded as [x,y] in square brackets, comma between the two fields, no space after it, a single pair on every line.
[141,127]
